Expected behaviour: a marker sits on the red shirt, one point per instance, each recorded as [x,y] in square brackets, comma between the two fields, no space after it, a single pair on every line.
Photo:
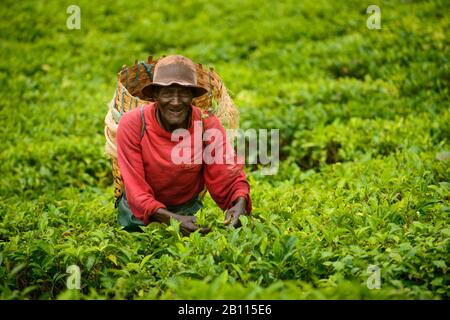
[152,180]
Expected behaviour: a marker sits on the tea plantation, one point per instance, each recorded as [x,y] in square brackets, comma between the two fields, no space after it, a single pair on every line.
[364,124]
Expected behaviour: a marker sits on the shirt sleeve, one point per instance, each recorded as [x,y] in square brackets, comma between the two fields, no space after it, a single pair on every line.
[140,195]
[225,180]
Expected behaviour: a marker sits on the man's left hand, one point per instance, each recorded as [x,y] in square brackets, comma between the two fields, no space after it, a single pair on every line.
[235,212]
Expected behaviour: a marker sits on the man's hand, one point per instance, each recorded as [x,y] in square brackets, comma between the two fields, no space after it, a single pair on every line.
[235,212]
[187,223]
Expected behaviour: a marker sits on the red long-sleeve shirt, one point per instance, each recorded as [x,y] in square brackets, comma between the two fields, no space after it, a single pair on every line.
[151,178]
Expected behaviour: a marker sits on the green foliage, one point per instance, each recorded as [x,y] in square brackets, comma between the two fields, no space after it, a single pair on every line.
[364,127]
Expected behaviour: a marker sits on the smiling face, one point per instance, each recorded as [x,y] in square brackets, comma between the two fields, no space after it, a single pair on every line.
[173,103]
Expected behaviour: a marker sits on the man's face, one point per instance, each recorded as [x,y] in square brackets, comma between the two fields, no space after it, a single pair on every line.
[174,102]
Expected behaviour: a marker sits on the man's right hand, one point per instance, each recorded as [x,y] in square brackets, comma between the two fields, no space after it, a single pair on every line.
[187,223]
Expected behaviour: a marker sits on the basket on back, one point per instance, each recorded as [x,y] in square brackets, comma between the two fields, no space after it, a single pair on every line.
[128,96]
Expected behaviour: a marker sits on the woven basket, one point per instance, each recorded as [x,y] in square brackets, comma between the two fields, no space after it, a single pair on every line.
[128,96]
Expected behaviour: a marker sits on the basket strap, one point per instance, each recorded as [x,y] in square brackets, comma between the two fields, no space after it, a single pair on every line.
[143,122]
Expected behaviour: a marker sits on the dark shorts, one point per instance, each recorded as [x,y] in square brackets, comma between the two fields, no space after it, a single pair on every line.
[132,224]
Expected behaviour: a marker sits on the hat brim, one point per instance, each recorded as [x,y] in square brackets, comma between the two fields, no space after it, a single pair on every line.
[149,90]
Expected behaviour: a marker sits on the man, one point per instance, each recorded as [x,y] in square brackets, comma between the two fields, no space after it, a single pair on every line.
[157,188]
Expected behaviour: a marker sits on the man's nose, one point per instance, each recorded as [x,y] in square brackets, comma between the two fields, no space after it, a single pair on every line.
[176,99]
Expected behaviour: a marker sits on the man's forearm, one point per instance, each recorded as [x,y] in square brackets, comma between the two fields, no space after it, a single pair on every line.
[163,215]
[241,201]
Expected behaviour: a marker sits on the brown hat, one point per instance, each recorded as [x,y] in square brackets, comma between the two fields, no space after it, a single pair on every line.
[174,69]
